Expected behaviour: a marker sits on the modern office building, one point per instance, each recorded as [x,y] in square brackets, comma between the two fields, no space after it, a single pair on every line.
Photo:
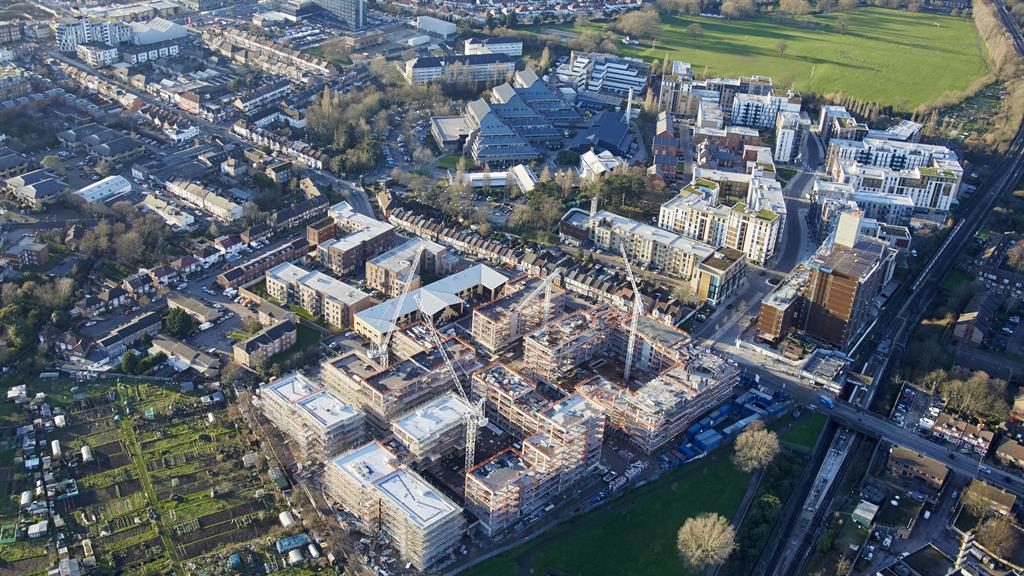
[606,74]
[351,12]
[317,422]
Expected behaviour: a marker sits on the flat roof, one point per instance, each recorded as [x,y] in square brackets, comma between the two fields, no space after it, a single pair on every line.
[434,417]
[499,471]
[367,463]
[421,502]
[327,410]
[293,387]
[571,411]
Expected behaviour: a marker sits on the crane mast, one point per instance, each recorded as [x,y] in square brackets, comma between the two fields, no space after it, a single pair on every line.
[381,352]
[475,418]
[634,317]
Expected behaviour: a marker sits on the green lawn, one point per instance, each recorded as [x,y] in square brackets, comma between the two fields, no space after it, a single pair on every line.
[804,434]
[451,162]
[634,536]
[896,58]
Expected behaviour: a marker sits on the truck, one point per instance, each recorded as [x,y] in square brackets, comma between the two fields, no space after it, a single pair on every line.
[827,400]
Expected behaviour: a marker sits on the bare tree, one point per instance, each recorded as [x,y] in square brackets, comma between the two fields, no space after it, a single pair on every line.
[706,540]
[998,535]
[781,46]
[844,23]
[696,31]
[795,7]
[755,449]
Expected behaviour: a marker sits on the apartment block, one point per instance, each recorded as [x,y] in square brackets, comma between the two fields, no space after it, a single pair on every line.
[663,408]
[760,111]
[96,54]
[782,310]
[422,524]
[434,430]
[929,174]
[903,463]
[385,394]
[493,45]
[645,245]
[206,200]
[551,353]
[790,129]
[521,309]
[489,67]
[257,350]
[325,297]
[843,282]
[829,198]
[505,489]
[390,272]
[357,238]
[70,33]
[317,422]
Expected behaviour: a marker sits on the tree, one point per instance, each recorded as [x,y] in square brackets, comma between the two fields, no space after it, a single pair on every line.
[998,535]
[781,46]
[974,502]
[795,7]
[736,9]
[129,363]
[53,163]
[825,6]
[755,449]
[545,59]
[1015,256]
[706,540]
[843,22]
[696,31]
[847,5]
[639,23]
[511,19]
[178,322]
[979,396]
[932,381]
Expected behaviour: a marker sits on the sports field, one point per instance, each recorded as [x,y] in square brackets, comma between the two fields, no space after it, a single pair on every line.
[635,535]
[891,57]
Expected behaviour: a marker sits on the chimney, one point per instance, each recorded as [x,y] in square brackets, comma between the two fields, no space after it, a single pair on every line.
[848,228]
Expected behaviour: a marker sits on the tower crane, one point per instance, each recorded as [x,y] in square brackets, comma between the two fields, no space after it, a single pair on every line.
[545,286]
[380,352]
[638,310]
[474,419]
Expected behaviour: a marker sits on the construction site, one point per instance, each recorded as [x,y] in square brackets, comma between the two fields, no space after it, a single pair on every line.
[504,412]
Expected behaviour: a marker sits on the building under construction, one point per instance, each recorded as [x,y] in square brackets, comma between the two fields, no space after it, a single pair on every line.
[318,423]
[434,430]
[522,308]
[422,524]
[562,438]
[663,408]
[658,345]
[385,394]
[552,353]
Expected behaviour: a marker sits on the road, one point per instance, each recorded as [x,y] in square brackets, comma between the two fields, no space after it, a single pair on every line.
[354,193]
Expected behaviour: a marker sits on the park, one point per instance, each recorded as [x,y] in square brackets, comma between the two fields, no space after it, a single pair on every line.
[894,58]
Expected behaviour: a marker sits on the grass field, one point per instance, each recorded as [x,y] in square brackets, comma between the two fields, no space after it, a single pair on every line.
[635,535]
[804,434]
[896,58]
